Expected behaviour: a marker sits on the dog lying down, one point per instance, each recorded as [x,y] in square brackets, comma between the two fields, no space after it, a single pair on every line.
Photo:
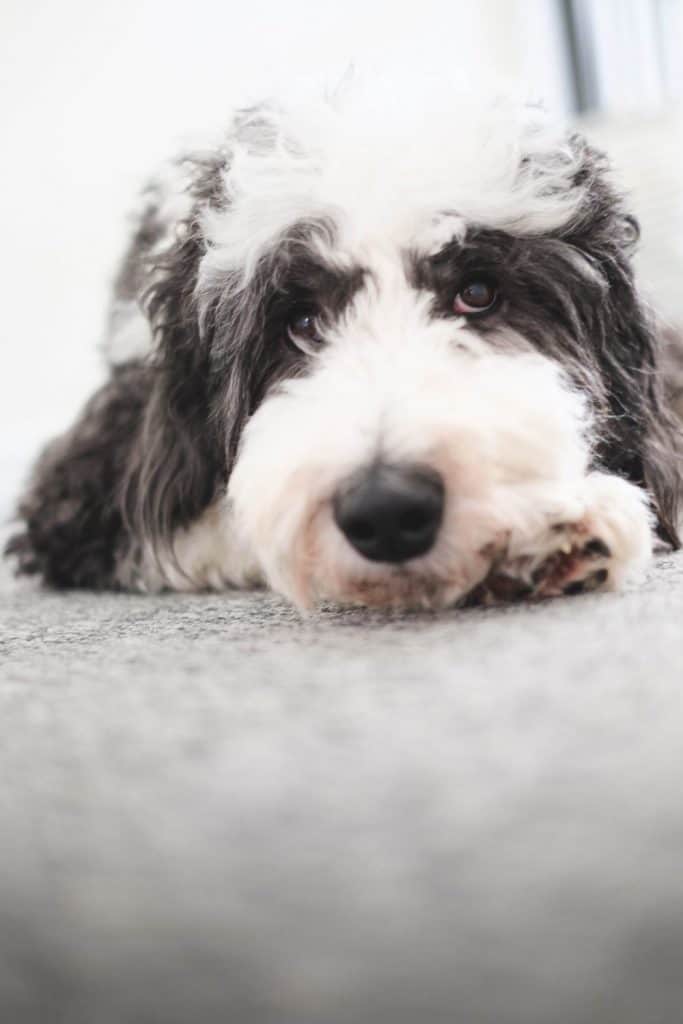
[373,351]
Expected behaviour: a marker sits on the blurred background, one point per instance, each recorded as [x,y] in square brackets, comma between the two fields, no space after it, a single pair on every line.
[92,95]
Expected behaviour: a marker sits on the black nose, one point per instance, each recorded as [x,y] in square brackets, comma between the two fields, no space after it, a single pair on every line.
[391,513]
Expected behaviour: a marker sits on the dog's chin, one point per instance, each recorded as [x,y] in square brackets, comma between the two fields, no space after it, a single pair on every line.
[312,564]
[400,594]
[394,589]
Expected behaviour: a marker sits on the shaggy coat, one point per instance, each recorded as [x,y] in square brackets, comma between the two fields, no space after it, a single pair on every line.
[293,308]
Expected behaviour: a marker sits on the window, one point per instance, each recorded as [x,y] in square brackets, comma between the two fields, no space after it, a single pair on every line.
[624,54]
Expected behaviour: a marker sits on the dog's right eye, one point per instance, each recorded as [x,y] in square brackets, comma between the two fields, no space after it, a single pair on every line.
[303,329]
[477,296]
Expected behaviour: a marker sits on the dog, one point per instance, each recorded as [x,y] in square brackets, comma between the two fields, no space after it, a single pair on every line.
[372,352]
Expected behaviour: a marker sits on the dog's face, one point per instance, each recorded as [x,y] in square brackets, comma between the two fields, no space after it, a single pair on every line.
[387,462]
[406,328]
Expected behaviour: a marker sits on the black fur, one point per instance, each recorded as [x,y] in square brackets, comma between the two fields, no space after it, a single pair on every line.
[73,525]
[590,320]
[178,461]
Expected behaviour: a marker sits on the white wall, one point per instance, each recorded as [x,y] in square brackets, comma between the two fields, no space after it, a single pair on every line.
[93,93]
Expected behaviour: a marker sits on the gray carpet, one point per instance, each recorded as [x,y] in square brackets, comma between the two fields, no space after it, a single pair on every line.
[213,810]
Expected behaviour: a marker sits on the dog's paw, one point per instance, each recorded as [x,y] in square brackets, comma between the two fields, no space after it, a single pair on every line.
[592,537]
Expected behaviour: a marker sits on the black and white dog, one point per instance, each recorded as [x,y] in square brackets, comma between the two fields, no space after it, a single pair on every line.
[376,353]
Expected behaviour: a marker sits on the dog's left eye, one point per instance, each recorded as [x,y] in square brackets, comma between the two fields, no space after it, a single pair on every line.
[477,296]
[303,328]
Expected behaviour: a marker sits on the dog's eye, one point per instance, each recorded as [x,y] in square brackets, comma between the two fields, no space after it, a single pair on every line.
[303,328]
[477,296]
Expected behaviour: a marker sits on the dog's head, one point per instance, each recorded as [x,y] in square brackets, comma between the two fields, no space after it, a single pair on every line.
[378,326]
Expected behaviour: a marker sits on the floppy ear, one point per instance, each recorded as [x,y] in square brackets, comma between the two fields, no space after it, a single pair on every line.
[647,441]
[211,365]
[641,437]
[661,440]
[663,448]
[178,461]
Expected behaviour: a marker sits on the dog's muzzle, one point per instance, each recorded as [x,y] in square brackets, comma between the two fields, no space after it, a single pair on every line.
[391,513]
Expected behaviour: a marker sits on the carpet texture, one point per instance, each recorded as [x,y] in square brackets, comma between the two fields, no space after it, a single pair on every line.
[214,810]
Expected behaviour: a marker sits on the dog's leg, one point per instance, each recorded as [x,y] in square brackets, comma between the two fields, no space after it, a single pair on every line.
[594,536]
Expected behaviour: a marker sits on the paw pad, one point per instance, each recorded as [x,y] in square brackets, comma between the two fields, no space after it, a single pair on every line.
[596,548]
[567,568]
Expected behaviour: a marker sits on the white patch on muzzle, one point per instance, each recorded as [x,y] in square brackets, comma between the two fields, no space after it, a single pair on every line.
[396,386]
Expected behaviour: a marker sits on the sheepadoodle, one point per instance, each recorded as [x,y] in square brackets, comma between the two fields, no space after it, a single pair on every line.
[375,352]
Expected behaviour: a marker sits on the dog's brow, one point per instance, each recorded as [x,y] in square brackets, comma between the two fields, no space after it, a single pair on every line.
[302,271]
[423,270]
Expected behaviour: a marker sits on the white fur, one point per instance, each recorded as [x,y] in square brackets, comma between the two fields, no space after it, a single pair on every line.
[382,167]
[395,384]
[565,516]
[208,555]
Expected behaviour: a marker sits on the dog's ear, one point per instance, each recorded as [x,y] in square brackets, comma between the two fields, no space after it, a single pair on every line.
[210,367]
[645,439]
[641,438]
[654,433]
[178,462]
[646,442]
[663,449]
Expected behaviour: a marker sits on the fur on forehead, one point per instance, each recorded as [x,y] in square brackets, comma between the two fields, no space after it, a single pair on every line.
[392,170]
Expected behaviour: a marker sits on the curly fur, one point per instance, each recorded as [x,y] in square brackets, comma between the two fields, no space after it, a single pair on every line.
[373,218]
